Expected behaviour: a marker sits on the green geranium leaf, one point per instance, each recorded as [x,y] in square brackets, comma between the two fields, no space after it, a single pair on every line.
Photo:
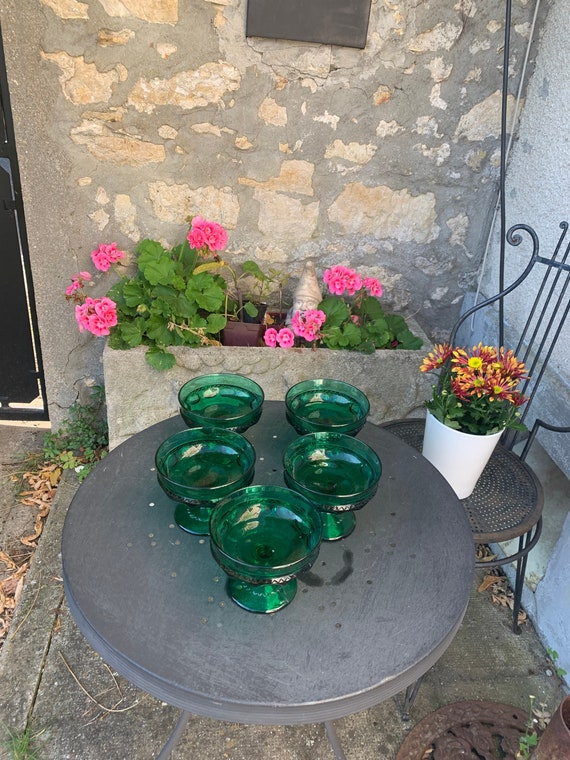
[402,333]
[216,323]
[379,335]
[133,294]
[206,292]
[129,332]
[115,292]
[335,309]
[116,342]
[254,269]
[184,309]
[352,333]
[409,341]
[372,309]
[367,346]
[186,255]
[160,359]
[157,330]
[155,264]
[347,335]
[165,294]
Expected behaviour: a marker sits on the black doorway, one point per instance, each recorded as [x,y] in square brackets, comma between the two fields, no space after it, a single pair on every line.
[22,386]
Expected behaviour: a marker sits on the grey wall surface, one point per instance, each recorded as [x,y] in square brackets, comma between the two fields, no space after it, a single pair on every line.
[538,184]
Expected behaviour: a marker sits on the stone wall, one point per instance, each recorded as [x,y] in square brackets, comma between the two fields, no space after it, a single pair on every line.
[131,115]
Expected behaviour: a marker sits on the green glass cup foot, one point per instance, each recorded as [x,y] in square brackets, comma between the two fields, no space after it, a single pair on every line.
[193,519]
[337,525]
[264,597]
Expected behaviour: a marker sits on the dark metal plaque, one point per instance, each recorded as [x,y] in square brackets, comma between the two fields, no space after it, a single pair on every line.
[332,22]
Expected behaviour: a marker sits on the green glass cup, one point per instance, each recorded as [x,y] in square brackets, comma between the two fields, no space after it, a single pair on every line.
[229,401]
[337,473]
[199,467]
[262,537]
[326,406]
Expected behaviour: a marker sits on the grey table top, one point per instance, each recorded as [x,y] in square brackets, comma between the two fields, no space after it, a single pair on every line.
[376,611]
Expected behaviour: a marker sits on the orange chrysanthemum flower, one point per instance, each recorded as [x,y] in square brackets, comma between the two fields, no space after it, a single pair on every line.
[436,358]
[477,390]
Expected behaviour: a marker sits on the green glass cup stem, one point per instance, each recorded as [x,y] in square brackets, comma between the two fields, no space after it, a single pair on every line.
[264,597]
[262,537]
[337,525]
[193,518]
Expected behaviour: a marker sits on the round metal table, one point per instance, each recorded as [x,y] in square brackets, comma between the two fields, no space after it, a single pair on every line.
[373,614]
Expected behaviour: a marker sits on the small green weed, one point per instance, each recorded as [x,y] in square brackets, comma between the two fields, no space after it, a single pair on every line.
[553,656]
[529,739]
[22,745]
[82,439]
[538,719]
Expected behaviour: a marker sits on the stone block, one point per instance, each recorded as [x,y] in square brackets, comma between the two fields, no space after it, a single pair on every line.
[139,396]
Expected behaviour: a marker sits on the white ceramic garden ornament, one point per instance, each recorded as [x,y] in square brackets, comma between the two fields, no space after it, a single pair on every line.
[308,294]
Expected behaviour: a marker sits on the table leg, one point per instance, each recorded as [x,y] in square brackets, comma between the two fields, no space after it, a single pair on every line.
[333,739]
[185,717]
[174,737]
[410,698]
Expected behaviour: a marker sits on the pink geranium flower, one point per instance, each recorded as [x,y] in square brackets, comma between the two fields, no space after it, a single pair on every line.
[373,286]
[105,255]
[270,337]
[203,233]
[97,315]
[286,337]
[341,279]
[77,283]
[308,324]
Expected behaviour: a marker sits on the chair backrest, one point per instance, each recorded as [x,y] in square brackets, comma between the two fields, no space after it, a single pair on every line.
[549,308]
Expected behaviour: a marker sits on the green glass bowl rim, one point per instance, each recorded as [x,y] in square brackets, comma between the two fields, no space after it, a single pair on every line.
[283,490]
[324,384]
[223,378]
[203,435]
[304,426]
[350,444]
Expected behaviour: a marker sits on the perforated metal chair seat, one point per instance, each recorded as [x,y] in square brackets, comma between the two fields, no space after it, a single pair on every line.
[508,498]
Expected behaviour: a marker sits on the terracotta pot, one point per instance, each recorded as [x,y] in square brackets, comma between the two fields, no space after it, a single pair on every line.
[242,334]
[554,744]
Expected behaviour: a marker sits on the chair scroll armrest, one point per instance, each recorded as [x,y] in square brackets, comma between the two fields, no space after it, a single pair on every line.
[535,428]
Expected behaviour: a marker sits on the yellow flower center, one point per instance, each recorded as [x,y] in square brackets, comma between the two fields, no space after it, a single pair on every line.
[475,362]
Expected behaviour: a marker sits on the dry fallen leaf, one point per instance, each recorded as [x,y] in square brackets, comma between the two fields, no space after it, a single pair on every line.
[42,487]
[488,582]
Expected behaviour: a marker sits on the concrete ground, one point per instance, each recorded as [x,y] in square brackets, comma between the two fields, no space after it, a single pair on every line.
[52,682]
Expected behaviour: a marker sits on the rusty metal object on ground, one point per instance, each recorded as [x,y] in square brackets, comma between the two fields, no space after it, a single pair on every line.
[554,744]
[471,730]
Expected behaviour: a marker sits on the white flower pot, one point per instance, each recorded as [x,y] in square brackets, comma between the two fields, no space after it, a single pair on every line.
[460,457]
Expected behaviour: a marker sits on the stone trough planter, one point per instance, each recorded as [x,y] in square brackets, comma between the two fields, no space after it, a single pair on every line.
[138,395]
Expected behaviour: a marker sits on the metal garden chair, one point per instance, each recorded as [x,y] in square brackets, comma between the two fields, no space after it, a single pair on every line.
[507,501]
